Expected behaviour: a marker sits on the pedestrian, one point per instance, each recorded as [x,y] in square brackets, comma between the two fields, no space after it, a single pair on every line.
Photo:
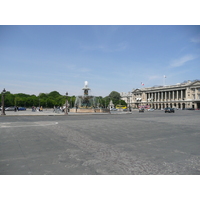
[41,109]
[15,108]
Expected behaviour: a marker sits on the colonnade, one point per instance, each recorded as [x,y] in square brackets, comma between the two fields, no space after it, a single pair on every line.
[164,105]
[181,96]
[163,99]
[174,95]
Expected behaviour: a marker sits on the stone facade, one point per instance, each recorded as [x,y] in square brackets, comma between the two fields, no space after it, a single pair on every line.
[182,96]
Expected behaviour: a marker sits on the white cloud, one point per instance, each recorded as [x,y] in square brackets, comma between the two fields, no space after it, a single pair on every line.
[181,61]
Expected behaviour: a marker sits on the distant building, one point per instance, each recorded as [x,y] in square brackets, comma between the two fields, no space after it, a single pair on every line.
[185,95]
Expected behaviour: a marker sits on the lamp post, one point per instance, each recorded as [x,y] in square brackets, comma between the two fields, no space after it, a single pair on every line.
[66,108]
[2,102]
[109,105]
[128,101]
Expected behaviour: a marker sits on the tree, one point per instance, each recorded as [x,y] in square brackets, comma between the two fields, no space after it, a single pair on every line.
[9,99]
[116,98]
[114,95]
[54,98]
[54,94]
[43,95]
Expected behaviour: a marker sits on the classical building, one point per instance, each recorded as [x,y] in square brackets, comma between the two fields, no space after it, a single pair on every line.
[185,95]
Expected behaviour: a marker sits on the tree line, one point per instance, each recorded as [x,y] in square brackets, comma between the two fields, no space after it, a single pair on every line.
[54,98]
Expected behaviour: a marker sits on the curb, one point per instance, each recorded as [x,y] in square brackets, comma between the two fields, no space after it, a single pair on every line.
[72,114]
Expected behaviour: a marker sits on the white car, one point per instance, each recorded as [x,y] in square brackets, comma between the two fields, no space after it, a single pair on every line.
[151,109]
[113,109]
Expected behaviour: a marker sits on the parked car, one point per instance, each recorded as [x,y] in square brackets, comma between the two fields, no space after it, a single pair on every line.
[151,109]
[141,110]
[21,108]
[113,109]
[188,109]
[10,109]
[169,110]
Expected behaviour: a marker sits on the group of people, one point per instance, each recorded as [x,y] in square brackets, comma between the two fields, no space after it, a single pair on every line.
[58,109]
[39,109]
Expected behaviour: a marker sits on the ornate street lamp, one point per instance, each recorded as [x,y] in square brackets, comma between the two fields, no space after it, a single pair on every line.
[66,104]
[2,102]
[128,103]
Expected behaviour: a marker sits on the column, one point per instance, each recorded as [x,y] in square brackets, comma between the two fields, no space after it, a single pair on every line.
[162,96]
[173,95]
[169,95]
[196,96]
[176,94]
[181,95]
[165,96]
[158,96]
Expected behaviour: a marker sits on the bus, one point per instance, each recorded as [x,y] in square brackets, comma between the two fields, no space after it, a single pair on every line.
[121,107]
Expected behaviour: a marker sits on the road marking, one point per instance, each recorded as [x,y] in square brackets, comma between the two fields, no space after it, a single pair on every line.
[18,126]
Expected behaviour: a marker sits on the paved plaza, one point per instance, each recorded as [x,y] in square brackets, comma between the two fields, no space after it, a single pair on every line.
[148,143]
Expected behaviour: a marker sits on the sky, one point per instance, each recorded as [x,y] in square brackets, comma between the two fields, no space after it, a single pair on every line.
[43,58]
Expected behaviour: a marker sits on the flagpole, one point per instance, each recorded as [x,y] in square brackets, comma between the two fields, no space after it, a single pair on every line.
[164,80]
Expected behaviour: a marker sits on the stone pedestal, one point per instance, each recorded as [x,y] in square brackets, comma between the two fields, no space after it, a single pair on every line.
[89,110]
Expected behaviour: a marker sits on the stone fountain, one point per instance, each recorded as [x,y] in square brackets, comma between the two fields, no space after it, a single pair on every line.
[87,103]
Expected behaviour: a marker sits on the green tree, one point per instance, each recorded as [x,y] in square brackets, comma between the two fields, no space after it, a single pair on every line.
[9,99]
[54,94]
[115,95]
[43,96]
[116,98]
[51,99]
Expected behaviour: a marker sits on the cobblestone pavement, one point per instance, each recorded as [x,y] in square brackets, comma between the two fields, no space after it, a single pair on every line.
[137,143]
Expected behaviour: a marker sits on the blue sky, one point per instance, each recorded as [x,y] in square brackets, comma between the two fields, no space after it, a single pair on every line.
[36,59]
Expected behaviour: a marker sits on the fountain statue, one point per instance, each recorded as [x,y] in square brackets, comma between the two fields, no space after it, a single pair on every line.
[86,102]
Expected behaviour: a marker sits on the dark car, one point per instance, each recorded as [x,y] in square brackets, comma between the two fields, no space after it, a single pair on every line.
[21,108]
[169,110]
[141,110]
[188,109]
